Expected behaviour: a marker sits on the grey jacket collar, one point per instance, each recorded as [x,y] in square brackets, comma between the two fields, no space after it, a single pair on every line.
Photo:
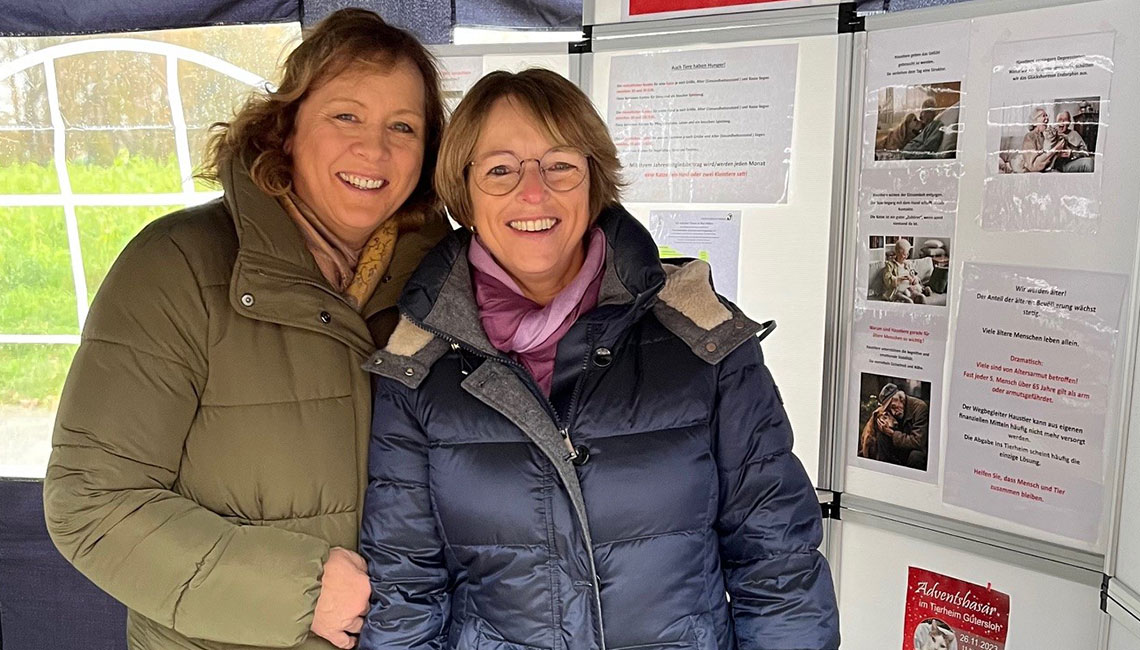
[441,300]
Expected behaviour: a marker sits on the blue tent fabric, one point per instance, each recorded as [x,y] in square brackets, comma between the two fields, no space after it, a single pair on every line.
[548,14]
[429,20]
[58,17]
[44,601]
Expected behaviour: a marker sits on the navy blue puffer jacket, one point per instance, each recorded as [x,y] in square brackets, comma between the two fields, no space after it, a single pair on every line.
[618,513]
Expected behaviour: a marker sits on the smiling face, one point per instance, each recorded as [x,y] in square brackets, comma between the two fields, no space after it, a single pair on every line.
[1063,121]
[535,233]
[358,147]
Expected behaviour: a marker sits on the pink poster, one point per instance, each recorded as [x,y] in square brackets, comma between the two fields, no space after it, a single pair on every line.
[944,613]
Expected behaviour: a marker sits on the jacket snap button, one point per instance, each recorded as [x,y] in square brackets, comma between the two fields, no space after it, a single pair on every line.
[409,372]
[326,317]
[247,299]
[711,347]
[581,455]
[603,357]
[377,362]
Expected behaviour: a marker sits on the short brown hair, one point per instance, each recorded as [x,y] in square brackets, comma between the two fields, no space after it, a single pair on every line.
[345,38]
[559,107]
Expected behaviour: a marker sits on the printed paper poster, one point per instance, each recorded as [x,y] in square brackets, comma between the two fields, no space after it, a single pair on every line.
[457,75]
[709,235]
[944,613]
[1030,389]
[908,205]
[1047,134]
[706,126]
[897,392]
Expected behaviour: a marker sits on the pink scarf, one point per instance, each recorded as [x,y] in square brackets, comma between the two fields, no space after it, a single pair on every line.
[525,330]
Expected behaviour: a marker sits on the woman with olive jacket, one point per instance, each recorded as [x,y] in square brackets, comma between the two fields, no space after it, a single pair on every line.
[209,452]
[576,447]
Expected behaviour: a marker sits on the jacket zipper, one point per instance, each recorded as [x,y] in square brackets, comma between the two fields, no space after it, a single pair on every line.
[456,344]
[563,429]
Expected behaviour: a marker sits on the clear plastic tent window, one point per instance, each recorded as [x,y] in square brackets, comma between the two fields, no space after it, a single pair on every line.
[98,136]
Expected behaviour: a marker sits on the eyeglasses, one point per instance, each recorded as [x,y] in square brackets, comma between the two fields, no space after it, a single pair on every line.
[562,169]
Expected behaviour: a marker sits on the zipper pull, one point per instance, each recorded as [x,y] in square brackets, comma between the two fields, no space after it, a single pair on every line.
[465,366]
[571,452]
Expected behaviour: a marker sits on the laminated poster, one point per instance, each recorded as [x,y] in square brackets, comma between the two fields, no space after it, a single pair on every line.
[944,613]
[1048,137]
[705,126]
[1030,391]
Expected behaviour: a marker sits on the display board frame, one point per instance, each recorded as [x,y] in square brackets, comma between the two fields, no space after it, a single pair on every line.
[1014,537]
[1123,606]
[871,585]
[775,26]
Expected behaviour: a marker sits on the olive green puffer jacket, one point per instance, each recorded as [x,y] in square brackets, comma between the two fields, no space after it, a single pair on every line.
[211,440]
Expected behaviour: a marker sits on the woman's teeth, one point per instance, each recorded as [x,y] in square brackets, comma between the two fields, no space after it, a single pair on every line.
[533,225]
[360,182]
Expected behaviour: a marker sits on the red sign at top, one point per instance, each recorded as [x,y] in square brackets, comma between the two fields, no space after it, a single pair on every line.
[644,7]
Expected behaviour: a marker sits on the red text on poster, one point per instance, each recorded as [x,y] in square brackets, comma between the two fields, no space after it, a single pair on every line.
[944,613]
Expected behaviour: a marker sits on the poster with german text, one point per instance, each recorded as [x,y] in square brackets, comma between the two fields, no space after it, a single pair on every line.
[944,613]
[705,126]
[1029,392]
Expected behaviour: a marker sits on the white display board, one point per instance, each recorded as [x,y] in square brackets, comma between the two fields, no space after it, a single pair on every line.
[1050,605]
[1120,638]
[784,244]
[973,200]
[462,65]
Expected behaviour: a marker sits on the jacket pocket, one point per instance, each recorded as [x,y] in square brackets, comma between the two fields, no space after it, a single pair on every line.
[699,634]
[477,634]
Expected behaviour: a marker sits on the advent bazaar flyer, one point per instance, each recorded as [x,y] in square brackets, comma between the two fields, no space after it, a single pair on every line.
[944,613]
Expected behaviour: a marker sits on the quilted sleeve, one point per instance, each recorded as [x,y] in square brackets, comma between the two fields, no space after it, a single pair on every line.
[769,519]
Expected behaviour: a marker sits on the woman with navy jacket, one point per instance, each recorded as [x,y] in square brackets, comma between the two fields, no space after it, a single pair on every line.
[576,446]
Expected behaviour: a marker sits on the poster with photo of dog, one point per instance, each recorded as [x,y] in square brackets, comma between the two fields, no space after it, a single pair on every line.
[894,421]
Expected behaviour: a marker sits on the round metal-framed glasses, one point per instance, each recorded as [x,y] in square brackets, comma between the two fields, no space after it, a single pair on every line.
[500,172]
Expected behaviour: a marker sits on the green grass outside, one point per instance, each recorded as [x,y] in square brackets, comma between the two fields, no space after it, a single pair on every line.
[37,293]
[104,231]
[31,375]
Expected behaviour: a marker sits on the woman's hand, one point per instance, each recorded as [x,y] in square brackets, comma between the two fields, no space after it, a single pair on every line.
[344,598]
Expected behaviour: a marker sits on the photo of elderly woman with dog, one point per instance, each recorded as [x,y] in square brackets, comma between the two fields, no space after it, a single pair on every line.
[576,445]
[209,453]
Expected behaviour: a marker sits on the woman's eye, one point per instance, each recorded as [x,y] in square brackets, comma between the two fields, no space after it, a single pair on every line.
[403,127]
[561,167]
[499,170]
[345,117]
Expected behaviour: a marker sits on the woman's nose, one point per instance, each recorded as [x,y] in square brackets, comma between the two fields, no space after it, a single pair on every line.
[373,145]
[532,188]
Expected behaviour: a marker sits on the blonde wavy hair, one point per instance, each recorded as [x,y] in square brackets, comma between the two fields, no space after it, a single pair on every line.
[559,107]
[346,38]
